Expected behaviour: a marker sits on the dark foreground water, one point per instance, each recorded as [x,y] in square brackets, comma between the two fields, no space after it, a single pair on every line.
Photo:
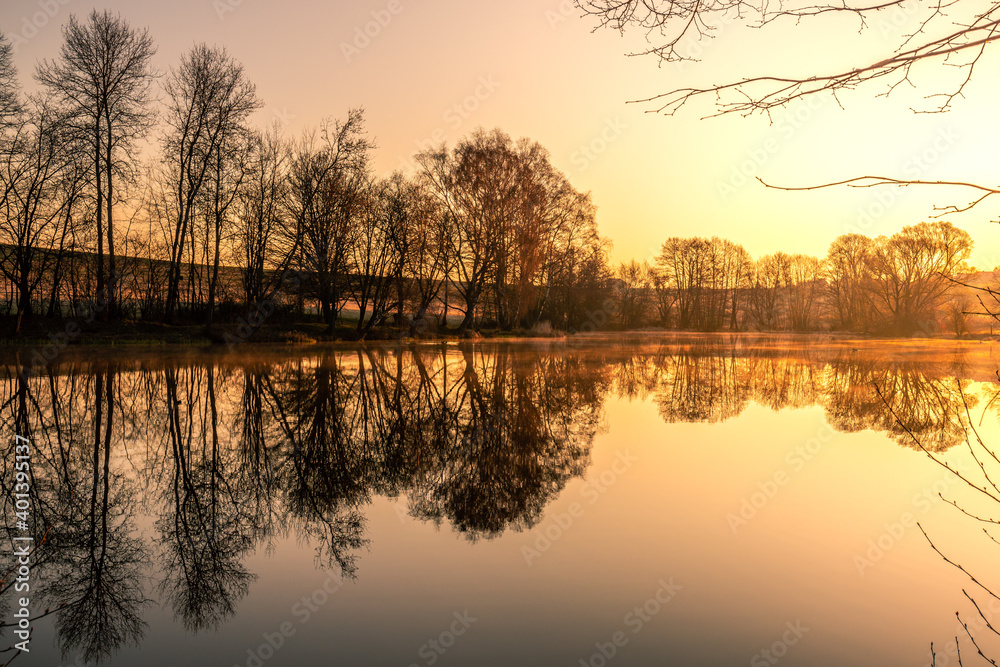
[677,501]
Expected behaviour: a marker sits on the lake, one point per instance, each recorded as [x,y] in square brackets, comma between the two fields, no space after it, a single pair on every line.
[602,500]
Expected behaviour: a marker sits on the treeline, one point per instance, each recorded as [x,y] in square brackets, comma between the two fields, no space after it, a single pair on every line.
[906,283]
[227,220]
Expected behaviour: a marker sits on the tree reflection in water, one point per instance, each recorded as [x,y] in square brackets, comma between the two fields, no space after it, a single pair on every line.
[228,455]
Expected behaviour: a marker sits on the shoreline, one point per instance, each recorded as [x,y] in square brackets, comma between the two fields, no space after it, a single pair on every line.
[979,358]
[156,335]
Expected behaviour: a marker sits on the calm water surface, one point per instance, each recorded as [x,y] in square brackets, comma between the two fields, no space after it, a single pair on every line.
[680,501]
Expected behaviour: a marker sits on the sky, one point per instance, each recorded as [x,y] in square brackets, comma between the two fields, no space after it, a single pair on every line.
[427,71]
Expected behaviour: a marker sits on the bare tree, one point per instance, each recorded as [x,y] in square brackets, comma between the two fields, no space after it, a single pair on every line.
[103,78]
[804,288]
[376,254]
[425,257]
[633,293]
[737,268]
[512,218]
[10,103]
[956,311]
[571,229]
[556,218]
[912,271]
[259,215]
[664,297]
[577,277]
[679,268]
[325,195]
[38,188]
[766,303]
[226,178]
[845,281]
[145,271]
[209,100]
[477,185]
[524,238]
[704,279]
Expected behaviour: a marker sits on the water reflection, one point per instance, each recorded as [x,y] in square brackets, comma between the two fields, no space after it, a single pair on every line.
[197,463]
[88,563]
[714,383]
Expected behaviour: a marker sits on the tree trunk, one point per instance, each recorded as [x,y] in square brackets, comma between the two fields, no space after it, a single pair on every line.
[111,308]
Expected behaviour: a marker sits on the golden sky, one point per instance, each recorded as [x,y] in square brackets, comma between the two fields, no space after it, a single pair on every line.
[432,70]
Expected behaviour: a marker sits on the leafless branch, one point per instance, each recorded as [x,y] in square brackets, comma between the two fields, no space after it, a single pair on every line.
[675,21]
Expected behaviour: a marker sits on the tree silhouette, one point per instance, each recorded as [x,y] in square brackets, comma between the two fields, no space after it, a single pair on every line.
[102,79]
